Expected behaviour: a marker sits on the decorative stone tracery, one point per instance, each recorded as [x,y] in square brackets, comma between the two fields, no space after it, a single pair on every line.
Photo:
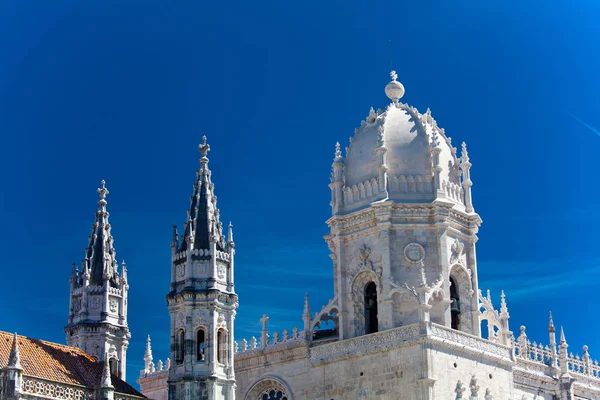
[269,388]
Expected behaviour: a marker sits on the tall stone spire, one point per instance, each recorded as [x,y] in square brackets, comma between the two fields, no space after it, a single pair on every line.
[97,320]
[100,255]
[203,224]
[202,300]
[148,364]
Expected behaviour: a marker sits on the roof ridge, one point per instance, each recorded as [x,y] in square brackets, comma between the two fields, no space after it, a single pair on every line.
[53,344]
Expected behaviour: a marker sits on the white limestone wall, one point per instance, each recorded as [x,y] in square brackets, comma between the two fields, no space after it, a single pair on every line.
[383,375]
[449,367]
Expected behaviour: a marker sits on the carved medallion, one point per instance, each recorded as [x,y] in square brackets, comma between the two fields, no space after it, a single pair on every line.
[414,253]
[95,303]
[180,270]
[113,306]
[221,272]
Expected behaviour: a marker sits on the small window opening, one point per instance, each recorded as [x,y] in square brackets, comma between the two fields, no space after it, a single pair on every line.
[371,322]
[454,304]
[201,344]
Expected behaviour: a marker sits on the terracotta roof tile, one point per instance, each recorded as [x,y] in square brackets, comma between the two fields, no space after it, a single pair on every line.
[59,363]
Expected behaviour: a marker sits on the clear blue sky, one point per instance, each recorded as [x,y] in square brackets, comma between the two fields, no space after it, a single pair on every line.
[124,90]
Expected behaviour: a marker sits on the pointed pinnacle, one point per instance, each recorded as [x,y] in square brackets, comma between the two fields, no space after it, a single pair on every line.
[562,336]
[106,378]
[14,360]
[550,323]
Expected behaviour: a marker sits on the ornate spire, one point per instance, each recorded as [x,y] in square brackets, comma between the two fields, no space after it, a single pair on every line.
[175,238]
[203,216]
[503,307]
[465,166]
[148,355]
[563,341]
[100,253]
[230,233]
[14,359]
[551,324]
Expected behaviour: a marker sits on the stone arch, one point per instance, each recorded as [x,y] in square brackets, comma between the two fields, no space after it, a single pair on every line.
[462,277]
[358,285]
[200,336]
[265,385]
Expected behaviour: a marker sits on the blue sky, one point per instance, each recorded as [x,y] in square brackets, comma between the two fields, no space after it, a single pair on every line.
[124,90]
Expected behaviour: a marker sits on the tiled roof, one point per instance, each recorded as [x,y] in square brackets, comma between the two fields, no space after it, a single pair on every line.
[59,363]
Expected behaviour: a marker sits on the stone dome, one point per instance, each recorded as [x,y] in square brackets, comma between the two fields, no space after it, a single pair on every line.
[407,150]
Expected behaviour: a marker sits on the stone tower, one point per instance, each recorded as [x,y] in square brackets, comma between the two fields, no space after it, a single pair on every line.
[403,229]
[98,298]
[202,300]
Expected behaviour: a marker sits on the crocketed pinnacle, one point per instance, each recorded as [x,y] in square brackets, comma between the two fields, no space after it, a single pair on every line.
[203,224]
[106,381]
[14,360]
[100,255]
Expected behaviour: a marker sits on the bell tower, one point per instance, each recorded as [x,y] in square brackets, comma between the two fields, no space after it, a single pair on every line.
[403,228]
[202,301]
[98,298]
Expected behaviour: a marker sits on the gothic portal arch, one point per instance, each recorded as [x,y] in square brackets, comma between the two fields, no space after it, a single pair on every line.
[269,388]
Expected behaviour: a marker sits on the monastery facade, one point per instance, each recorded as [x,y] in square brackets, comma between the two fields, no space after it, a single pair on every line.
[404,321]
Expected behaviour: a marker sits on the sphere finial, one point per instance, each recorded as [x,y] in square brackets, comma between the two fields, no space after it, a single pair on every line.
[394,90]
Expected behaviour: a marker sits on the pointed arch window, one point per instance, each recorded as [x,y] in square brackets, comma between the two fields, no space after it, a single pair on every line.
[201,344]
[180,347]
[371,321]
[454,304]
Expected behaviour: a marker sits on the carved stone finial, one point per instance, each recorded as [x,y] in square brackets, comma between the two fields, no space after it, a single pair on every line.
[464,154]
[263,321]
[503,306]
[551,324]
[102,192]
[563,340]
[338,151]
[14,359]
[394,90]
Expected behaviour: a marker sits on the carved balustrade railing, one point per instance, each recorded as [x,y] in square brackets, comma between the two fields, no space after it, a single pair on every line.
[53,390]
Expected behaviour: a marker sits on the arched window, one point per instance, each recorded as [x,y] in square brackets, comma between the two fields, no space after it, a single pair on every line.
[112,364]
[274,394]
[454,304]
[371,323]
[180,346]
[200,345]
[221,346]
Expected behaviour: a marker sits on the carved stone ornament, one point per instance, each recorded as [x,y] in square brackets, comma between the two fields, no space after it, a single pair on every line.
[113,306]
[456,250]
[221,272]
[199,320]
[180,271]
[180,322]
[414,253]
[95,303]
[220,319]
[77,305]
